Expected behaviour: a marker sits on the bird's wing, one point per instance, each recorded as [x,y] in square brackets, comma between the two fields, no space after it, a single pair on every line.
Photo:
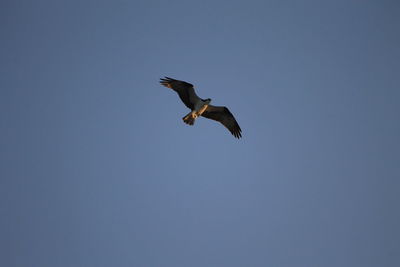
[185,91]
[224,116]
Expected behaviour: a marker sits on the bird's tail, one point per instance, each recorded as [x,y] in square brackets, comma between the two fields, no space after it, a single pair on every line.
[189,118]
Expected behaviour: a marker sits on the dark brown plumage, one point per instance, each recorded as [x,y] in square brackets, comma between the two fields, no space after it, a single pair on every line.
[183,89]
[188,96]
[224,116]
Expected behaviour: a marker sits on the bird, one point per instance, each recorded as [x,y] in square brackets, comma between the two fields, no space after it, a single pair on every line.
[201,107]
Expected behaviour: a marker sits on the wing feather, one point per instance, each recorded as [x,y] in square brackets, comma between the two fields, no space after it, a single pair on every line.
[185,90]
[224,116]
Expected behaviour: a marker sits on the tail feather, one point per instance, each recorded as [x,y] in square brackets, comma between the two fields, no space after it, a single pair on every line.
[189,119]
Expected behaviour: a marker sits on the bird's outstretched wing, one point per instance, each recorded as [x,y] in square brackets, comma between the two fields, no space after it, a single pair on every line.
[185,90]
[224,116]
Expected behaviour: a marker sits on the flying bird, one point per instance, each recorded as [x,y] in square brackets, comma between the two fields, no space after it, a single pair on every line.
[202,107]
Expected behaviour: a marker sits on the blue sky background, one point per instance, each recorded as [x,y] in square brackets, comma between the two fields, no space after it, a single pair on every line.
[98,169]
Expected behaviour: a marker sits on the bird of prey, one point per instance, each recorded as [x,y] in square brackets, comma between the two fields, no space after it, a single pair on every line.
[202,107]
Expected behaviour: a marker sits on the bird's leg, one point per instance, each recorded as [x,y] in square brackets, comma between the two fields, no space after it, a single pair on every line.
[190,117]
[192,114]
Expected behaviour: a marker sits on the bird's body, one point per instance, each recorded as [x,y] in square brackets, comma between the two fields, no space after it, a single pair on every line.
[201,107]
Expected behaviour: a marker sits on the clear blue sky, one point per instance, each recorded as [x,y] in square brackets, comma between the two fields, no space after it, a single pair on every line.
[98,169]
